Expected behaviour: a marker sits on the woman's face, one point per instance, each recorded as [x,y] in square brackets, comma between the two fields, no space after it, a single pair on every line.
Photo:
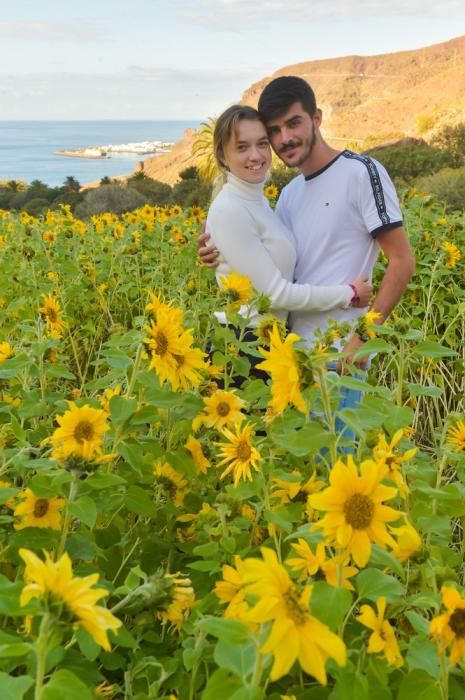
[247,153]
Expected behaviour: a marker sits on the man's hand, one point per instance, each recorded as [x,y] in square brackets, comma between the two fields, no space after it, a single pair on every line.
[208,254]
[349,349]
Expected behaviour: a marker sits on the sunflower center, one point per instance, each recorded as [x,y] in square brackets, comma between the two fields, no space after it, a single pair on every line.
[243,450]
[161,344]
[180,360]
[233,295]
[83,431]
[52,315]
[457,623]
[293,607]
[223,409]
[40,507]
[359,510]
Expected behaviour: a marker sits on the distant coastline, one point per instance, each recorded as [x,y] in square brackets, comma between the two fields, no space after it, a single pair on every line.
[141,148]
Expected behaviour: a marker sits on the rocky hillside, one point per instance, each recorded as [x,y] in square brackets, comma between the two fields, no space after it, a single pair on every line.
[378,98]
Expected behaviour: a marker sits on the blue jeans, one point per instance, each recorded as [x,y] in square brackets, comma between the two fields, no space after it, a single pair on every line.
[350,398]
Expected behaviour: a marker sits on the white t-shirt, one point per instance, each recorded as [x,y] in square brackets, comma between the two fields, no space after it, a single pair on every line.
[335,215]
[253,242]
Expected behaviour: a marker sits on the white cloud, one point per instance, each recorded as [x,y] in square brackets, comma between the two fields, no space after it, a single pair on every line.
[137,93]
[244,14]
[78,31]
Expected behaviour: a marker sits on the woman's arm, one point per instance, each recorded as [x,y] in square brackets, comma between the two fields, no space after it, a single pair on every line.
[235,234]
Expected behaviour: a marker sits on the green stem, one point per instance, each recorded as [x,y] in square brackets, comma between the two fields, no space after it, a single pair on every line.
[135,370]
[330,417]
[400,373]
[73,489]
[41,654]
[257,672]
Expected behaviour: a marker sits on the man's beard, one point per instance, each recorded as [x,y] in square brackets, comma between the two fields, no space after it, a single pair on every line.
[305,155]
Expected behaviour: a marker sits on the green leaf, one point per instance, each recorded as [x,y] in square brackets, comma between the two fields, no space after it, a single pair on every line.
[248,693]
[422,654]
[221,684]
[59,372]
[15,649]
[224,629]
[121,409]
[419,685]
[13,688]
[85,509]
[330,604]
[419,623]
[138,501]
[303,442]
[64,684]
[430,348]
[372,583]
[9,597]
[206,550]
[210,566]
[419,390]
[238,658]
[351,685]
[104,481]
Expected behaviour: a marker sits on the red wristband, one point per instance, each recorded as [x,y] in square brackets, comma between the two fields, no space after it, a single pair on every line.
[356,297]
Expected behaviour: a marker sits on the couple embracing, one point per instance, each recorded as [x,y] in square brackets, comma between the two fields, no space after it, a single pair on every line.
[314,255]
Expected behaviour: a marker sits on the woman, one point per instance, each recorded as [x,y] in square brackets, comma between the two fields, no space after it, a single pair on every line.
[249,236]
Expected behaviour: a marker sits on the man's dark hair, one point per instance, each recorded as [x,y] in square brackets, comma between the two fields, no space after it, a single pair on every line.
[283,92]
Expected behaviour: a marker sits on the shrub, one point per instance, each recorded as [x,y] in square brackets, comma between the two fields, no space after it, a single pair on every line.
[154,191]
[448,185]
[404,162]
[281,176]
[112,198]
[452,139]
[36,206]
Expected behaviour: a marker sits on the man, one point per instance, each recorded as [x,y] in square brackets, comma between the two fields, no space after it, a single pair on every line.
[342,210]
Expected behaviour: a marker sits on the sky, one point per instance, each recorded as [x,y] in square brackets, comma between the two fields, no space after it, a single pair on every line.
[187,59]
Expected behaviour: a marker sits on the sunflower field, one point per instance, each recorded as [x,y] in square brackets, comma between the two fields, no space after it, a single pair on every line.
[173,528]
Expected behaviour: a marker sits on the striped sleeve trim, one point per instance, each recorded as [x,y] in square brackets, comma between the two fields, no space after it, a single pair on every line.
[386,227]
[376,185]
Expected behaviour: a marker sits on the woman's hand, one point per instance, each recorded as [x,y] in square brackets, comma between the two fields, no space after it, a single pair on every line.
[364,291]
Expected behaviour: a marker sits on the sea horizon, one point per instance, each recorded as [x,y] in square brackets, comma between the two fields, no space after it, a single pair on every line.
[28,146]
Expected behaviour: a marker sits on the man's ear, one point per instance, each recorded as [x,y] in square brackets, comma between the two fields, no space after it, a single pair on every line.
[318,117]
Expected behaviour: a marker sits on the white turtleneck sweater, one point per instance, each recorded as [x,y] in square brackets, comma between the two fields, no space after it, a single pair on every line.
[252,241]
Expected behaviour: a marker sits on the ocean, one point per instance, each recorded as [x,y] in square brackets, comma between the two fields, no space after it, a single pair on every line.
[27,147]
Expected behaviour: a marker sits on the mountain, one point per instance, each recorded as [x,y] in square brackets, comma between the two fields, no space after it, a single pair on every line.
[365,98]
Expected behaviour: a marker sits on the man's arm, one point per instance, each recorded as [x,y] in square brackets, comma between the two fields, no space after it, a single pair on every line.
[400,268]
[208,254]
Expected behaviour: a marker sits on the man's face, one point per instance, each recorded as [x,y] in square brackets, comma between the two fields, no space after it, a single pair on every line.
[293,135]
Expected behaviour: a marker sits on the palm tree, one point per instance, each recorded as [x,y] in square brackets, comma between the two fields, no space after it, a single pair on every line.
[202,149]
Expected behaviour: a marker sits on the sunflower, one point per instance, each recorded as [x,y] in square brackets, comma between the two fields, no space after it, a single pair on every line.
[383,638]
[194,446]
[281,363]
[229,590]
[188,361]
[6,351]
[295,634]
[408,541]
[307,563]
[51,313]
[449,628]
[236,289]
[285,490]
[384,451]
[155,305]
[239,454]
[176,210]
[38,512]
[54,583]
[107,395]
[171,482]
[337,571]
[164,342]
[456,436]
[80,433]
[222,409]
[365,323]
[356,515]
[182,600]
[454,254]
[271,191]
[265,327]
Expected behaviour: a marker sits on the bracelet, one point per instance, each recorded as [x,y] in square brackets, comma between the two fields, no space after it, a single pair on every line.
[355,297]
